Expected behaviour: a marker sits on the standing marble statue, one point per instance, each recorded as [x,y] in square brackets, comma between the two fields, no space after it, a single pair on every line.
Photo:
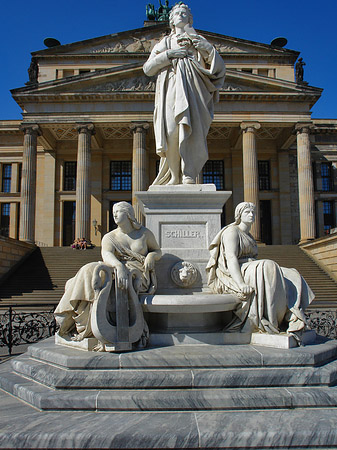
[273,298]
[89,306]
[190,74]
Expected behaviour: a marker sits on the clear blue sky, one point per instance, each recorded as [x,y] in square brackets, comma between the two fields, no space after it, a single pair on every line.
[309,26]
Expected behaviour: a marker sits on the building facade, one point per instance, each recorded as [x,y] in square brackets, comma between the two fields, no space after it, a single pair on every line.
[86,141]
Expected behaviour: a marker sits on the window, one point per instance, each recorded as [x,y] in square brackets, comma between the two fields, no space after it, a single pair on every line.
[69,179]
[6,177]
[120,175]
[264,175]
[326,174]
[328,216]
[4,219]
[213,172]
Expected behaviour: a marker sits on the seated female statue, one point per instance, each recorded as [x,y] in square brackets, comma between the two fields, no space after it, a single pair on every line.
[273,298]
[129,254]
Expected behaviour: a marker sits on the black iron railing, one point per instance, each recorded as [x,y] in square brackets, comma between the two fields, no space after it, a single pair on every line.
[20,324]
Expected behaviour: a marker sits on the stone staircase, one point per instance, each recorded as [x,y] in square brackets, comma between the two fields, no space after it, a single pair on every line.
[172,379]
[324,287]
[42,277]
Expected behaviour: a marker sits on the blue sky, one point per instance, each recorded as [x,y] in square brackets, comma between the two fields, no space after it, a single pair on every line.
[309,26]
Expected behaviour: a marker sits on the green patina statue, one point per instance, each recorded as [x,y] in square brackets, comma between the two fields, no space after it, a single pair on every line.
[161,14]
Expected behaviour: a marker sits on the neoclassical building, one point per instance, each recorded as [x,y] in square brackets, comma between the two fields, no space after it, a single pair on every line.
[86,141]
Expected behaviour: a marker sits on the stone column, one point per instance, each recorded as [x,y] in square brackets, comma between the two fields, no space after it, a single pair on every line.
[305,183]
[250,172]
[28,182]
[139,164]
[83,188]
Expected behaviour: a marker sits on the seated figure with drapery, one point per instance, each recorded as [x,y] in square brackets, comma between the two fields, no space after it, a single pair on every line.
[101,291]
[273,298]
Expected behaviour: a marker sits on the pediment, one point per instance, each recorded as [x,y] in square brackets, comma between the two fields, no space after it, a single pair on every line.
[131,78]
[142,40]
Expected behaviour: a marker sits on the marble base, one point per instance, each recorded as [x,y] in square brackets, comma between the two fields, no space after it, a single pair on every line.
[87,344]
[282,340]
[166,339]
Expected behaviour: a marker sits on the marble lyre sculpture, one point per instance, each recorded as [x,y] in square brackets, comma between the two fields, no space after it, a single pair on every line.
[190,74]
[273,298]
[102,300]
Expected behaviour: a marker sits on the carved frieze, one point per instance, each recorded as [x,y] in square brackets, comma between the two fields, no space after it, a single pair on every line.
[142,83]
[131,45]
[231,87]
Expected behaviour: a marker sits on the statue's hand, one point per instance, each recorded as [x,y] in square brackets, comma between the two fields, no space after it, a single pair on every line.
[122,278]
[149,262]
[201,44]
[177,53]
[246,289]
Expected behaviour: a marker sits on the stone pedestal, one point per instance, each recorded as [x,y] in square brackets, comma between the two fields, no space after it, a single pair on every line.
[184,220]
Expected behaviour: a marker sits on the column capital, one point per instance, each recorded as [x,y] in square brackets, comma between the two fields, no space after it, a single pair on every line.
[304,127]
[139,127]
[250,126]
[87,128]
[31,128]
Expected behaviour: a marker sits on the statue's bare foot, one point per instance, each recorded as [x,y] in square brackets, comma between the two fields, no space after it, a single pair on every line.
[188,180]
[77,337]
[100,347]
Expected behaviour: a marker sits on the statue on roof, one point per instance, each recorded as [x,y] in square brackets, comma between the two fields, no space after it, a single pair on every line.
[299,70]
[33,71]
[161,14]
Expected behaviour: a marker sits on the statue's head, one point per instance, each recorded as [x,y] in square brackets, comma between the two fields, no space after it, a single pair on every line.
[241,207]
[177,7]
[129,211]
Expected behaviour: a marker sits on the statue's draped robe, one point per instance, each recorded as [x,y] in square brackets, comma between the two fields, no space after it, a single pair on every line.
[280,294]
[73,313]
[193,85]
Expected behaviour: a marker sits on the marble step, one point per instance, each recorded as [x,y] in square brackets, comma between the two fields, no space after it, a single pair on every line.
[167,400]
[58,378]
[195,356]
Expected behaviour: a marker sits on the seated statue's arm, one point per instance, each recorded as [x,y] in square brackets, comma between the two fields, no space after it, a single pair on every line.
[231,243]
[109,257]
[154,251]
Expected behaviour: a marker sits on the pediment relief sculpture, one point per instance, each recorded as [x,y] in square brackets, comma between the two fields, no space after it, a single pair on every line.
[141,83]
[130,45]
